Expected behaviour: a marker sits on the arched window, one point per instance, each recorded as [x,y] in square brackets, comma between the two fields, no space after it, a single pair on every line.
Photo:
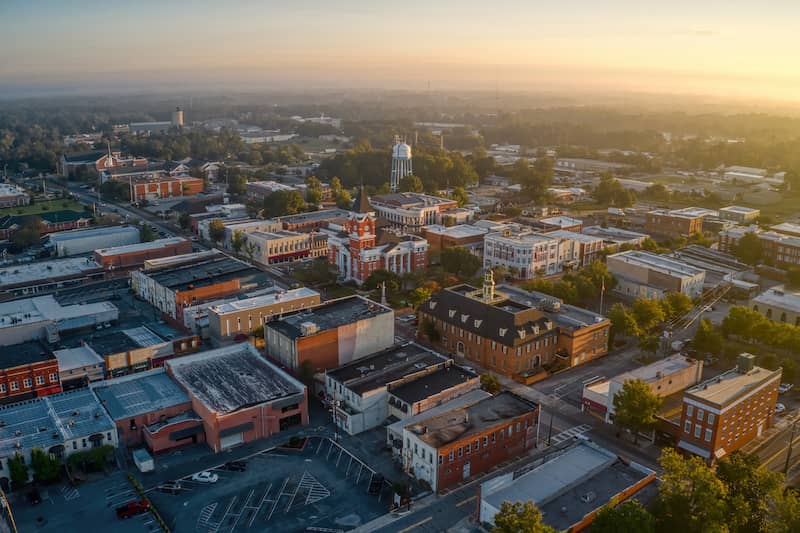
[460,348]
[536,361]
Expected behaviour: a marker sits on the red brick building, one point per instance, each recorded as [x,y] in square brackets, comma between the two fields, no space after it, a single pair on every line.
[452,447]
[164,187]
[239,395]
[29,370]
[134,255]
[722,414]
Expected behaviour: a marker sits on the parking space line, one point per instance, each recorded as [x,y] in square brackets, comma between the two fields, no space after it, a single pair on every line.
[241,511]
[275,501]
[260,505]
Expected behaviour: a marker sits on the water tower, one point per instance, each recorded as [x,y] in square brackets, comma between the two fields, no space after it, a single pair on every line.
[401,163]
[177,117]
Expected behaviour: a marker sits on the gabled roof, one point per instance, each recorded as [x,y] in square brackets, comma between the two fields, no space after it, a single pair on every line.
[84,156]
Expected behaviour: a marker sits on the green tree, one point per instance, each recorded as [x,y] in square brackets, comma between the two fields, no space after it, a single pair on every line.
[29,233]
[282,203]
[419,296]
[520,517]
[610,192]
[313,196]
[636,407]
[623,321]
[649,343]
[490,383]
[707,339]
[146,233]
[627,517]
[691,498]
[676,304]
[411,184]
[216,230]
[459,261]
[429,329]
[336,185]
[185,221]
[46,468]
[18,471]
[749,249]
[237,182]
[648,313]
[237,241]
[460,196]
[379,276]
[785,513]
[751,491]
[343,200]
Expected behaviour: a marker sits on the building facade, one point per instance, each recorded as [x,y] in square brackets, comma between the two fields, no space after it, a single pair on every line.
[525,254]
[411,211]
[134,255]
[779,304]
[645,275]
[673,224]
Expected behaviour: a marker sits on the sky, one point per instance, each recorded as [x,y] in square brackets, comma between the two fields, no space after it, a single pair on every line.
[732,48]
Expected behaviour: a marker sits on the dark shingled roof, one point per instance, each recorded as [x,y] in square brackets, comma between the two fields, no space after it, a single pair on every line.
[433,383]
[501,321]
[85,156]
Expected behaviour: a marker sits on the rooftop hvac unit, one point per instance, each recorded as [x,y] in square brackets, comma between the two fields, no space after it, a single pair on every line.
[308,328]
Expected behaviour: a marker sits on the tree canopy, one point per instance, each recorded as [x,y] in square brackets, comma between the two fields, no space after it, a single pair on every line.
[520,517]
[216,230]
[627,517]
[460,261]
[636,407]
[749,249]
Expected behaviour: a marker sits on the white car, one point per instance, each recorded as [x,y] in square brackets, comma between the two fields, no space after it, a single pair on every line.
[779,408]
[785,387]
[205,477]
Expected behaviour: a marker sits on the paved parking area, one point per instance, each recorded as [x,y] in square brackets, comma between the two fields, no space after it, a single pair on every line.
[320,488]
[90,506]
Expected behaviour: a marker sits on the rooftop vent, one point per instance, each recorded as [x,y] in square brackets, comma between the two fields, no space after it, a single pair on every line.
[308,328]
[745,363]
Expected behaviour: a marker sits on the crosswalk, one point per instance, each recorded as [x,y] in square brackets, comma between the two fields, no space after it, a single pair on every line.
[570,433]
[70,493]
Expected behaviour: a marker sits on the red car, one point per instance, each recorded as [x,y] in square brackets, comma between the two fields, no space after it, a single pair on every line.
[133,508]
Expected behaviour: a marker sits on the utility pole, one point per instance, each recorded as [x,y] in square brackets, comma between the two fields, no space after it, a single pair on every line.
[550,430]
[789,451]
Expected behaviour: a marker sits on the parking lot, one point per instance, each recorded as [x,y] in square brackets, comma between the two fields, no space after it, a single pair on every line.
[90,506]
[319,488]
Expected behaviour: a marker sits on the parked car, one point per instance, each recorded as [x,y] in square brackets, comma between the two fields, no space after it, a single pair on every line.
[779,408]
[235,466]
[133,508]
[205,477]
[785,387]
[170,487]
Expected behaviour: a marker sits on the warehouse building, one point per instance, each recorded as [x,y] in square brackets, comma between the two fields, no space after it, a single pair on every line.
[740,215]
[84,241]
[242,316]
[330,335]
[42,277]
[778,303]
[239,395]
[646,275]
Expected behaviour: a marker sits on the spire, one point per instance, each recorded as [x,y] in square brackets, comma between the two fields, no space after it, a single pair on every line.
[361,204]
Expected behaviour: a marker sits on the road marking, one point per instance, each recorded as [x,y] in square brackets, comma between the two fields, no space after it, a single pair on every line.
[465,502]
[70,493]
[779,452]
[421,522]
[570,433]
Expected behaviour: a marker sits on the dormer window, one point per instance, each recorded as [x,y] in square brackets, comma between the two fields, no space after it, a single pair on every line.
[478,323]
[521,333]
[432,304]
[452,313]
[503,332]
[464,318]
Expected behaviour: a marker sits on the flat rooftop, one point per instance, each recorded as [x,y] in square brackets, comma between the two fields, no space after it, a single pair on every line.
[410,200]
[461,231]
[561,221]
[378,370]
[140,393]
[612,234]
[118,341]
[740,209]
[277,235]
[468,398]
[215,270]
[526,237]
[663,367]
[779,297]
[65,236]
[567,316]
[329,315]
[44,270]
[75,358]
[788,228]
[729,385]
[232,378]
[26,353]
[234,306]
[467,421]
[314,216]
[431,384]
[139,247]
[574,236]
[658,263]
[51,420]
[47,309]
[560,486]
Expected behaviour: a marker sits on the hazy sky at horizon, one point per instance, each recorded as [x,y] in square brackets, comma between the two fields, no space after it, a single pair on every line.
[733,47]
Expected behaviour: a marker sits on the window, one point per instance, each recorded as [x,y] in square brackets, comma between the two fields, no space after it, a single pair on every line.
[477,444]
[450,457]
[27,383]
[84,442]
[485,441]
[469,448]
[687,426]
[460,451]
[441,459]
[40,380]
[697,429]
[494,437]
[689,410]
[503,433]
[710,418]
[2,387]
[74,445]
[14,385]
[510,430]
[700,414]
[708,435]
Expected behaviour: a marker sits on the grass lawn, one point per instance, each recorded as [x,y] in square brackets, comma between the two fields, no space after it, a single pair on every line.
[40,207]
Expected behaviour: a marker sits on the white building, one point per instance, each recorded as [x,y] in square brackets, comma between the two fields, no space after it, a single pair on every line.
[753,175]
[13,195]
[410,211]
[530,254]
[645,275]
[83,241]
[739,214]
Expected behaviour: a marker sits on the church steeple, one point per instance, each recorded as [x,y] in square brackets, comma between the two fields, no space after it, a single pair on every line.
[361,203]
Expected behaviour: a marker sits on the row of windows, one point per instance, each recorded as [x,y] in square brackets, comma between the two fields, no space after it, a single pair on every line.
[28,383]
[476,446]
[698,429]
[700,414]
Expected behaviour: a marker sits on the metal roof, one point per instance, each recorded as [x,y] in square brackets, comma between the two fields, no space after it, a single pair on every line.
[140,393]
